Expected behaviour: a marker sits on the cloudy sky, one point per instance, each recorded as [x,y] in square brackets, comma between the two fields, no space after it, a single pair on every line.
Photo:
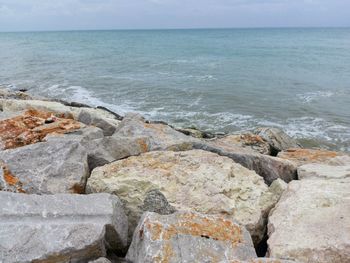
[23,15]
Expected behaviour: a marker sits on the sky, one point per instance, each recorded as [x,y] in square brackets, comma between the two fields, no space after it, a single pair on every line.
[33,15]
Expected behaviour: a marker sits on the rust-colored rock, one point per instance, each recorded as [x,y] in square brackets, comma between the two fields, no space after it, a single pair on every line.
[30,128]
[305,156]
[8,179]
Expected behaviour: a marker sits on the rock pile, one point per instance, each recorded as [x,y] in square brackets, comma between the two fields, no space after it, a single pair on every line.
[83,184]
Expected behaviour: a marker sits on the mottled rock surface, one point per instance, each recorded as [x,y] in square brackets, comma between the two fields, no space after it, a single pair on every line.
[44,168]
[152,136]
[277,139]
[60,228]
[202,181]
[311,222]
[270,168]
[189,237]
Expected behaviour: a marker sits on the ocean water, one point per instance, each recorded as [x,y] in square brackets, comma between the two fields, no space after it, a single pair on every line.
[224,80]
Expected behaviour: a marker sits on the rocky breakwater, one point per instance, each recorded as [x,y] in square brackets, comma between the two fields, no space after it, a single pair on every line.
[83,184]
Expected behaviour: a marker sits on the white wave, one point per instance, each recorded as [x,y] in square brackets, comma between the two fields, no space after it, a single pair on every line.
[312,96]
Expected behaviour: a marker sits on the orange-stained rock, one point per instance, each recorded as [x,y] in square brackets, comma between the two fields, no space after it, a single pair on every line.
[30,128]
[305,156]
[189,237]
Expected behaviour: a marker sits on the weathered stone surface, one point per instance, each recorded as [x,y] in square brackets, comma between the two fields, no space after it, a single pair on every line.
[270,168]
[152,136]
[246,140]
[202,181]
[277,139]
[60,228]
[269,260]
[195,133]
[44,168]
[323,171]
[311,222]
[31,127]
[156,202]
[189,237]
[98,118]
[305,156]
[8,94]
[100,260]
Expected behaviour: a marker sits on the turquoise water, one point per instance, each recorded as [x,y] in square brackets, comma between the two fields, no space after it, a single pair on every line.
[219,80]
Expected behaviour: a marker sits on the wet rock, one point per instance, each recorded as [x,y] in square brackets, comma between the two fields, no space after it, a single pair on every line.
[151,136]
[44,168]
[189,237]
[306,156]
[192,180]
[268,167]
[60,228]
[311,222]
[277,139]
[31,127]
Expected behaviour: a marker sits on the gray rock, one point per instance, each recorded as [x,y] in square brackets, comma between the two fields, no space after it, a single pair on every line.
[60,228]
[45,168]
[156,202]
[277,139]
[100,260]
[189,237]
[268,167]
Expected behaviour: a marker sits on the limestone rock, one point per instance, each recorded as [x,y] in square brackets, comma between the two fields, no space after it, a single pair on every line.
[9,94]
[44,168]
[31,127]
[269,260]
[100,260]
[315,170]
[270,168]
[277,139]
[60,228]
[192,180]
[153,136]
[311,222]
[306,156]
[189,237]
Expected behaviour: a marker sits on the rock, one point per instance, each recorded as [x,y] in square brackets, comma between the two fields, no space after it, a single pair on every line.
[95,117]
[192,180]
[100,260]
[44,168]
[151,136]
[311,222]
[306,156]
[18,95]
[195,133]
[31,127]
[156,202]
[246,140]
[269,260]
[315,170]
[58,109]
[60,228]
[268,167]
[189,237]
[277,139]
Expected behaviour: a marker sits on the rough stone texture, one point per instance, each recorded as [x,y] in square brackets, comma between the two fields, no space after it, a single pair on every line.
[44,168]
[306,156]
[12,105]
[195,133]
[98,118]
[156,202]
[189,237]
[153,136]
[268,260]
[323,171]
[31,127]
[311,222]
[100,260]
[197,180]
[270,168]
[60,228]
[246,140]
[8,94]
[277,139]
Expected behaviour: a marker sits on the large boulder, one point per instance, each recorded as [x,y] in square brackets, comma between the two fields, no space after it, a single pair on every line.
[326,171]
[153,136]
[192,180]
[306,156]
[311,222]
[189,237]
[270,168]
[60,228]
[277,139]
[33,126]
[44,168]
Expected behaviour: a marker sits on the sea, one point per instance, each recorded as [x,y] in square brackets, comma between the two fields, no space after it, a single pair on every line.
[218,80]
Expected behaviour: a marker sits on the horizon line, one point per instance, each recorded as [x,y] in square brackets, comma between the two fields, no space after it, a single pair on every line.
[169,29]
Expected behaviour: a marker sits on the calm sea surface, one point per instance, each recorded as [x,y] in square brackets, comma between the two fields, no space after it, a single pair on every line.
[218,80]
